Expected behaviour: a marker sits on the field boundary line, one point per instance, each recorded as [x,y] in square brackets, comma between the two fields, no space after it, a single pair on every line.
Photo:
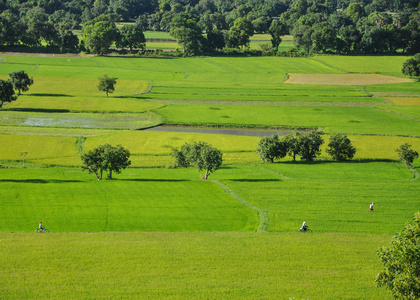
[262,214]
[34,69]
[415,172]
[217,65]
[328,65]
[274,172]
[397,113]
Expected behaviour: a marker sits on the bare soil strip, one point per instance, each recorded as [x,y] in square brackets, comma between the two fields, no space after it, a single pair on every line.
[344,79]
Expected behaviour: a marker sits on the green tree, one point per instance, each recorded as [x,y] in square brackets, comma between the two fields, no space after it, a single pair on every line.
[98,34]
[401,260]
[277,30]
[200,155]
[293,142]
[115,159]
[106,158]
[93,161]
[131,36]
[310,144]
[406,154]
[271,147]
[7,93]
[340,147]
[240,33]
[411,67]
[323,37]
[21,81]
[187,33]
[107,84]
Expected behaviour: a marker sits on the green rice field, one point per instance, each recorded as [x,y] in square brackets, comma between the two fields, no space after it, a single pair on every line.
[155,232]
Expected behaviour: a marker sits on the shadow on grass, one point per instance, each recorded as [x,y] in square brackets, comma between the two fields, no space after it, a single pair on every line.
[320,162]
[49,95]
[152,180]
[38,181]
[40,110]
[256,180]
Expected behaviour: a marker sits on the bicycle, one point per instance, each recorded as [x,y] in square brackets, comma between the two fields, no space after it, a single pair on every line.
[43,230]
[305,230]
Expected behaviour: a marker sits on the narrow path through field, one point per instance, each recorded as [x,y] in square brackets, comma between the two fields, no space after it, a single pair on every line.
[262,214]
[398,114]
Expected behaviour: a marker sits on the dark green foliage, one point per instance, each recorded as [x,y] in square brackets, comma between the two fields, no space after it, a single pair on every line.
[340,147]
[406,154]
[411,67]
[107,84]
[106,158]
[310,144]
[187,33]
[270,148]
[240,32]
[401,260]
[200,155]
[21,81]
[99,34]
[131,36]
[277,30]
[293,144]
[7,94]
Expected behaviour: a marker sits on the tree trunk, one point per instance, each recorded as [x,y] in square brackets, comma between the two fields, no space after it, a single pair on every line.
[107,94]
[207,174]
[110,174]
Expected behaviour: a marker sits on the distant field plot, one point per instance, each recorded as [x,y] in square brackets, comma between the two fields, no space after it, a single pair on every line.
[329,196]
[71,94]
[349,120]
[163,45]
[344,79]
[200,92]
[412,111]
[158,35]
[404,100]
[79,120]
[70,200]
[388,65]
[270,64]
[35,147]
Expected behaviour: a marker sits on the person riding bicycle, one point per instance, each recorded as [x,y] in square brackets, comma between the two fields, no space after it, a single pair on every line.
[304,226]
[41,228]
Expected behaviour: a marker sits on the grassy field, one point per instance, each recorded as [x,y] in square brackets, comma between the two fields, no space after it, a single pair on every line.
[157,232]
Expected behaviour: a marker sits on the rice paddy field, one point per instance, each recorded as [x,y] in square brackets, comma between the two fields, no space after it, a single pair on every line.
[158,232]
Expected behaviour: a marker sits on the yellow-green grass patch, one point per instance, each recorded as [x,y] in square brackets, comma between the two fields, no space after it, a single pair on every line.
[37,147]
[161,143]
[405,100]
[344,79]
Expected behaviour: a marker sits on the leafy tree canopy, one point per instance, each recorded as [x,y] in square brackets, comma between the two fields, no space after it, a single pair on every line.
[406,154]
[21,81]
[107,84]
[340,147]
[7,94]
[200,155]
[401,260]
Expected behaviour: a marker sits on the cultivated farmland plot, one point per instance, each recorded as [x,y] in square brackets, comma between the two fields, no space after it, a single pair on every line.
[158,232]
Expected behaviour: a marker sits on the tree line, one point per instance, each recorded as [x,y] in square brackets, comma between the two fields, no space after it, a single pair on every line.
[337,26]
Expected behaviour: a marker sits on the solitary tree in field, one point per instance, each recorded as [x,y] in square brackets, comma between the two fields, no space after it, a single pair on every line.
[200,155]
[106,158]
[21,81]
[401,260]
[340,147]
[271,147]
[107,84]
[406,154]
[411,67]
[7,93]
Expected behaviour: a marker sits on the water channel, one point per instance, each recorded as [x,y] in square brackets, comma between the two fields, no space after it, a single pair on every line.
[231,131]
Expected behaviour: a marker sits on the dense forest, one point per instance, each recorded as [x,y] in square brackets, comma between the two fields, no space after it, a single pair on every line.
[334,26]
